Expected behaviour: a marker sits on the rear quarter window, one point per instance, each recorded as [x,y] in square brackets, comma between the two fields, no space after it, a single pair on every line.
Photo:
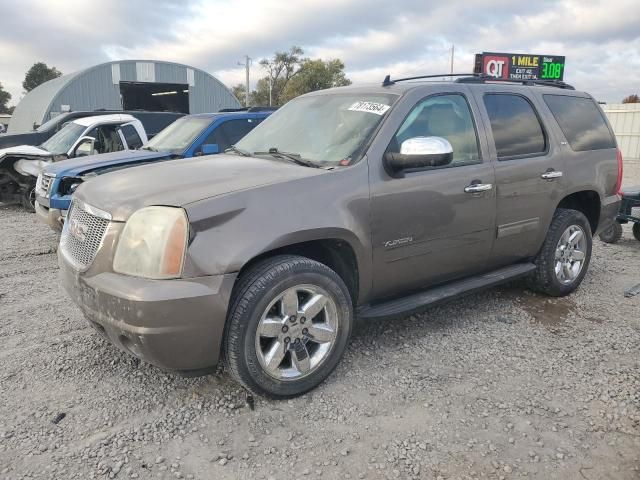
[581,121]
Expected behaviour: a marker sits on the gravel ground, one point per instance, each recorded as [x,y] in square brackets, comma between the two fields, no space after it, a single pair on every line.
[504,384]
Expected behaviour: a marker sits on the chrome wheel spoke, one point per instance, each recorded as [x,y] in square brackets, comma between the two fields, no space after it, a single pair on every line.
[274,356]
[578,255]
[270,327]
[566,271]
[321,333]
[575,237]
[313,306]
[289,301]
[300,360]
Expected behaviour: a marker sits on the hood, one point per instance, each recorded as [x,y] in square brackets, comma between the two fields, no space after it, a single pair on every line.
[29,138]
[180,182]
[24,150]
[82,165]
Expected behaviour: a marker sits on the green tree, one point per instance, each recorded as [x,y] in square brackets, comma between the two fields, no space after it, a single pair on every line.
[281,68]
[240,92]
[634,98]
[4,99]
[38,74]
[315,75]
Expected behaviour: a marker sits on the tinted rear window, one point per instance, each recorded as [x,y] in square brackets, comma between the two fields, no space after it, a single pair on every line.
[581,122]
[515,125]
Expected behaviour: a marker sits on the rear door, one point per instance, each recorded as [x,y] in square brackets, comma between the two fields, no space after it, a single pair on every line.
[528,170]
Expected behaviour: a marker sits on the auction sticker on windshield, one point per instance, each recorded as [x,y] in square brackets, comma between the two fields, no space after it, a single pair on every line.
[371,107]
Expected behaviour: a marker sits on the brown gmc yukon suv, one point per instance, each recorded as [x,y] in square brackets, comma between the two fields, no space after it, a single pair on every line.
[371,201]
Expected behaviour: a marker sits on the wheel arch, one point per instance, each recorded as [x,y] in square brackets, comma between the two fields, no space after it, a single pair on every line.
[585,201]
[334,252]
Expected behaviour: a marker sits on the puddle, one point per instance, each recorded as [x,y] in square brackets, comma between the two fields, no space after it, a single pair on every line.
[544,310]
[547,311]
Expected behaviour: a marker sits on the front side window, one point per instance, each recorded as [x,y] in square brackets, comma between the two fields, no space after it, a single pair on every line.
[329,129]
[515,125]
[230,132]
[445,116]
[179,135]
[61,142]
[581,122]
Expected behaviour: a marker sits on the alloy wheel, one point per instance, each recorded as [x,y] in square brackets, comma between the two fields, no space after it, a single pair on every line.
[297,332]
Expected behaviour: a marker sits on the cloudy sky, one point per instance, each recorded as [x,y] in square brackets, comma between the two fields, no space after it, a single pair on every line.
[601,39]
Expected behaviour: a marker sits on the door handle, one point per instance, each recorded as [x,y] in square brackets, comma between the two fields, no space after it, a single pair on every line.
[550,175]
[478,187]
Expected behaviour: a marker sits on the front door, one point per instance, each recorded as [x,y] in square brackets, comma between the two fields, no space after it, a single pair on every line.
[437,224]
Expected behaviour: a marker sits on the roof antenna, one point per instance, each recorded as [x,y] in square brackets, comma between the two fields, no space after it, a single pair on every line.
[387,81]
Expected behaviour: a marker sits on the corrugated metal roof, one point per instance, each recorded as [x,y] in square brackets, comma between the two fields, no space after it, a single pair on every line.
[98,87]
[35,104]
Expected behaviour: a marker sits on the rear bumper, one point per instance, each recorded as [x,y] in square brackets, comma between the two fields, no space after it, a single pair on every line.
[608,212]
[173,324]
[50,216]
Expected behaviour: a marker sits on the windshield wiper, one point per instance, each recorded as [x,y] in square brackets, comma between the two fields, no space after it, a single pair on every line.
[293,157]
[237,150]
[151,149]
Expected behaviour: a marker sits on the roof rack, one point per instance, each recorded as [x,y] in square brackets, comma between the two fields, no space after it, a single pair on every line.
[481,78]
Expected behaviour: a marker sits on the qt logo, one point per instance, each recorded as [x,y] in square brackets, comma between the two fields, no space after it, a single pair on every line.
[496,66]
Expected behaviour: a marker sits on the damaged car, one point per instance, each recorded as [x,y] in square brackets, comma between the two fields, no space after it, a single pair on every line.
[21,165]
[189,136]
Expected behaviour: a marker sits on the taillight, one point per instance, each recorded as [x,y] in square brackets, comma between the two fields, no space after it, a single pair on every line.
[616,189]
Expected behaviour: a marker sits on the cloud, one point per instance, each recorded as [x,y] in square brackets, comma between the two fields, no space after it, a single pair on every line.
[600,38]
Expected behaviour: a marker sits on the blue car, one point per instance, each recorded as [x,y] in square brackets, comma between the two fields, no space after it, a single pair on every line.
[189,136]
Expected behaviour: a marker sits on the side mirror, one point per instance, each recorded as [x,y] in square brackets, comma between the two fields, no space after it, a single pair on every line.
[210,149]
[84,147]
[419,153]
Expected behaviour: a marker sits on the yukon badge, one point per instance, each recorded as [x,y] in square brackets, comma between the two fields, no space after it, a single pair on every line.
[397,242]
[78,230]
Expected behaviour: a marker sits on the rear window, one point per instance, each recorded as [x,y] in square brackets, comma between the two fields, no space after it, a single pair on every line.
[581,121]
[515,125]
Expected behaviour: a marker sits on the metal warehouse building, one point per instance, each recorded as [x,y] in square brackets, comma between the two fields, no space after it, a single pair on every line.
[625,120]
[124,85]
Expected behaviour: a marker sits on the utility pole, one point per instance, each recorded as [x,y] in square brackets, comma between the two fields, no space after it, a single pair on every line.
[247,65]
[453,49]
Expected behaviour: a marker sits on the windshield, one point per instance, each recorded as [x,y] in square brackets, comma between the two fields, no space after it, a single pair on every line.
[62,141]
[328,130]
[179,135]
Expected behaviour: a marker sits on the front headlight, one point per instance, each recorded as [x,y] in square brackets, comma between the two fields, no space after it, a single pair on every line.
[153,243]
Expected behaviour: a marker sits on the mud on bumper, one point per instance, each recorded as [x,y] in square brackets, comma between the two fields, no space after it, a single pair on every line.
[173,324]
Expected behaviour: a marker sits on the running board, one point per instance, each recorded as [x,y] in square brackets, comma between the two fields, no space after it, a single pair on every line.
[445,292]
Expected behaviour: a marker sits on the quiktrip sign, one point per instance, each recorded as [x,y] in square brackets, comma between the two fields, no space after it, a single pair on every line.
[518,66]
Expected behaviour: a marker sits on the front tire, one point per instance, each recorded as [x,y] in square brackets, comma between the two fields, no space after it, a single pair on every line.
[636,231]
[28,199]
[288,325]
[564,258]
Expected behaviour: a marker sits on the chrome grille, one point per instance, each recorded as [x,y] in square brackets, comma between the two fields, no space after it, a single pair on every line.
[44,184]
[82,234]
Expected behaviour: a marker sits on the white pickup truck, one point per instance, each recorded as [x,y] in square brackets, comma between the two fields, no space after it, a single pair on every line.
[21,165]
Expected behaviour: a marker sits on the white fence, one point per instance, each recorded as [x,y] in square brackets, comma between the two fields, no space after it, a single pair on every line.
[625,120]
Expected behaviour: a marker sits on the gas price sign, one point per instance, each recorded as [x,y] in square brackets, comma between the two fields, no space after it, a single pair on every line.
[516,66]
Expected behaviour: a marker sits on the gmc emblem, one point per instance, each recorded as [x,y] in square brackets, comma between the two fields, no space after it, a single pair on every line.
[78,230]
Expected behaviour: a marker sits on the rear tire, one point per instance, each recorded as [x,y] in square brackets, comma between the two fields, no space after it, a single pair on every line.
[564,257]
[636,231]
[612,234]
[270,347]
